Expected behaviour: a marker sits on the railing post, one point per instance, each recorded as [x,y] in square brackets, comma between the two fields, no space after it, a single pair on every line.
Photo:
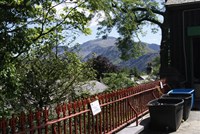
[30,119]
[58,111]
[13,122]
[46,117]
[69,107]
[3,125]
[80,105]
[38,115]
[64,109]
[84,116]
[137,123]
[22,121]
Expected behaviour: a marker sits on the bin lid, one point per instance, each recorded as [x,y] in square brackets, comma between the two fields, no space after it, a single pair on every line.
[178,95]
[165,102]
[182,90]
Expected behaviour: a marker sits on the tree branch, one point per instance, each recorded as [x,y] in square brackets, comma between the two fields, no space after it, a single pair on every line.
[57,25]
[145,9]
[150,20]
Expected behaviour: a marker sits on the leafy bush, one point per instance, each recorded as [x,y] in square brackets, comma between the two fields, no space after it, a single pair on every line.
[117,81]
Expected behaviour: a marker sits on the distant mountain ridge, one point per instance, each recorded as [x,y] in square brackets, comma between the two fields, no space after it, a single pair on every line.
[108,48]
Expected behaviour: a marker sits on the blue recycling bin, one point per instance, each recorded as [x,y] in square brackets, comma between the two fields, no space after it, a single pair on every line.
[184,91]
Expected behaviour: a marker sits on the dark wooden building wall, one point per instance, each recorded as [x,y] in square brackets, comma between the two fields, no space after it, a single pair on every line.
[180,18]
[176,47]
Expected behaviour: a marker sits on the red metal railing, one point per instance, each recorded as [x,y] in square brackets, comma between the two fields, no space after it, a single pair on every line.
[118,109]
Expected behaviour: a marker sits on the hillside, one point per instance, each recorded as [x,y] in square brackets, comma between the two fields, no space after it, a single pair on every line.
[107,48]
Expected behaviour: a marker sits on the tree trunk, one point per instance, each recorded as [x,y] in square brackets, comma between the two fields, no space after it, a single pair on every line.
[164,47]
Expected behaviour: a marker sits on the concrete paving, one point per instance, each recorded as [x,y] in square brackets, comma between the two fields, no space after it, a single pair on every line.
[133,129]
[190,126]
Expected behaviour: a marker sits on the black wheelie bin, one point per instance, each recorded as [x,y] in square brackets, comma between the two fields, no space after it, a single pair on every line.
[186,105]
[165,114]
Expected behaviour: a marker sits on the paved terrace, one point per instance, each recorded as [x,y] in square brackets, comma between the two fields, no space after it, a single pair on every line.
[190,126]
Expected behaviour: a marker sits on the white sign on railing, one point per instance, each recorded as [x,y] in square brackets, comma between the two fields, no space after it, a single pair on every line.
[161,85]
[95,107]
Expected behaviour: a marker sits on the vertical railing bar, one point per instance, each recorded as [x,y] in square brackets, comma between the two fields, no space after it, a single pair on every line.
[109,114]
[38,118]
[84,115]
[22,120]
[88,124]
[106,114]
[75,118]
[64,108]
[119,111]
[112,111]
[13,122]
[4,125]
[96,124]
[45,115]
[93,125]
[104,109]
[100,125]
[79,107]
[58,111]
[124,111]
[115,111]
[31,117]
[70,119]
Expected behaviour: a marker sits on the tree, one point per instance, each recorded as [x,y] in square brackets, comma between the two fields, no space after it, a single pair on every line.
[129,16]
[52,79]
[27,24]
[135,72]
[117,81]
[156,66]
[102,65]
[36,26]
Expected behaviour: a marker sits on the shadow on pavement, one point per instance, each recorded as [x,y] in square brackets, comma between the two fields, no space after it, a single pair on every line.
[148,130]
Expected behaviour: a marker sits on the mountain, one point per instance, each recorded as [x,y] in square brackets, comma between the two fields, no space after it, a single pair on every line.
[108,48]
[141,62]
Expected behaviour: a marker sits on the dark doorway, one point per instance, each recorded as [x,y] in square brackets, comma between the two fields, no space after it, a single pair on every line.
[196,60]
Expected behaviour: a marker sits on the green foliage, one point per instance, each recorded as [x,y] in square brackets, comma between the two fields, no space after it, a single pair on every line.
[49,79]
[135,72]
[27,24]
[82,95]
[129,16]
[156,66]
[28,32]
[117,81]
[129,48]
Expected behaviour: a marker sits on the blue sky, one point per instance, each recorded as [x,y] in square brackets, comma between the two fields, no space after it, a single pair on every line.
[148,38]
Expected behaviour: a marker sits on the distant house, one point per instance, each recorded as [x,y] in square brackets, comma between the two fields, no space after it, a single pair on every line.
[92,87]
[184,22]
[144,79]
